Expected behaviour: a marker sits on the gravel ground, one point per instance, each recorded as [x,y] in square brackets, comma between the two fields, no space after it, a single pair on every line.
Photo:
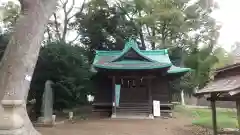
[171,126]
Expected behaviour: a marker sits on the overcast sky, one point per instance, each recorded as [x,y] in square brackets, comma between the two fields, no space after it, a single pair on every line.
[228,15]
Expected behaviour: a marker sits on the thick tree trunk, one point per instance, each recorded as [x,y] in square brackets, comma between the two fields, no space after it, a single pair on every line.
[18,63]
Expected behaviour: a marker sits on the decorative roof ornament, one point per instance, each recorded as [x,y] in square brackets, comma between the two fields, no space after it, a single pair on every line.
[131,43]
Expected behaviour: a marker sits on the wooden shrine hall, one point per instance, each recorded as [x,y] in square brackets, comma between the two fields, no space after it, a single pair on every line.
[128,81]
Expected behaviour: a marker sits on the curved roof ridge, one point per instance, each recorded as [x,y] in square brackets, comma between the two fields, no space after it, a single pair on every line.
[132,44]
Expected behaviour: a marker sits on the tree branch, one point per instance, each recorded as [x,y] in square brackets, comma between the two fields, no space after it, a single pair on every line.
[49,34]
[71,8]
[65,24]
[69,18]
[61,2]
[56,26]
[64,4]
[81,10]
[148,31]
[83,4]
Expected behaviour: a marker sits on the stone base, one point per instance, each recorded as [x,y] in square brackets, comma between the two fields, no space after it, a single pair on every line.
[11,123]
[21,131]
[43,125]
[151,116]
[12,132]
[113,116]
[41,122]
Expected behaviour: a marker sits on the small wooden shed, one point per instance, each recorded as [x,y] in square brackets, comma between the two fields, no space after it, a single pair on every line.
[225,87]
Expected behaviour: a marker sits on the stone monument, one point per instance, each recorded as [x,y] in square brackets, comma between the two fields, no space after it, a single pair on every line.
[47,117]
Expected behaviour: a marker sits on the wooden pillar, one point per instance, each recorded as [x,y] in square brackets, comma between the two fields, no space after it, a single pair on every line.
[150,100]
[238,112]
[114,108]
[214,114]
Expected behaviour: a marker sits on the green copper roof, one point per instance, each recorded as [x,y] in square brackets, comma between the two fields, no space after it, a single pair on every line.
[131,44]
[173,69]
[132,65]
[145,60]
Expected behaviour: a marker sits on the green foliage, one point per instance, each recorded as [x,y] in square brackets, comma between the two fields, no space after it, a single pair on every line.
[183,83]
[173,24]
[68,67]
[202,61]
[10,11]
[103,27]
[224,58]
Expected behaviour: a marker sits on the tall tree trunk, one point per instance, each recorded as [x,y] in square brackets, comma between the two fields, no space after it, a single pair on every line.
[141,33]
[182,97]
[153,43]
[142,39]
[164,37]
[20,57]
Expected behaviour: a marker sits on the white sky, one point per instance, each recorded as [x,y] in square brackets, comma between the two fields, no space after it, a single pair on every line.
[228,16]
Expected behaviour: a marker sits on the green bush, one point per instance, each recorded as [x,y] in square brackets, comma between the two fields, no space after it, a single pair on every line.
[69,69]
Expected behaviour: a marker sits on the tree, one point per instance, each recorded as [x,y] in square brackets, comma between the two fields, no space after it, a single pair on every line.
[67,66]
[224,58]
[133,11]
[198,50]
[183,86]
[59,26]
[165,23]
[21,54]
[103,26]
[10,15]
[203,62]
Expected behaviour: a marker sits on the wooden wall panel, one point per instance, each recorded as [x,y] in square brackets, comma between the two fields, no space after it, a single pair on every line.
[103,90]
[134,95]
[160,90]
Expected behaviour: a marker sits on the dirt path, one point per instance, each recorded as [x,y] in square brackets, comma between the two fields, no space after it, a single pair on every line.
[171,126]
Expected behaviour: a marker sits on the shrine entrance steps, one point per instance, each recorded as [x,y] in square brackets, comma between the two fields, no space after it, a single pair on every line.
[138,110]
[131,116]
[133,111]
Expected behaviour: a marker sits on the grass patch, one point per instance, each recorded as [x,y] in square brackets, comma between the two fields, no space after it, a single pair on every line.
[226,118]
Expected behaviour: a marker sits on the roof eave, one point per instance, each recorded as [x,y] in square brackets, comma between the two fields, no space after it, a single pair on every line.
[131,68]
[227,68]
[183,70]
